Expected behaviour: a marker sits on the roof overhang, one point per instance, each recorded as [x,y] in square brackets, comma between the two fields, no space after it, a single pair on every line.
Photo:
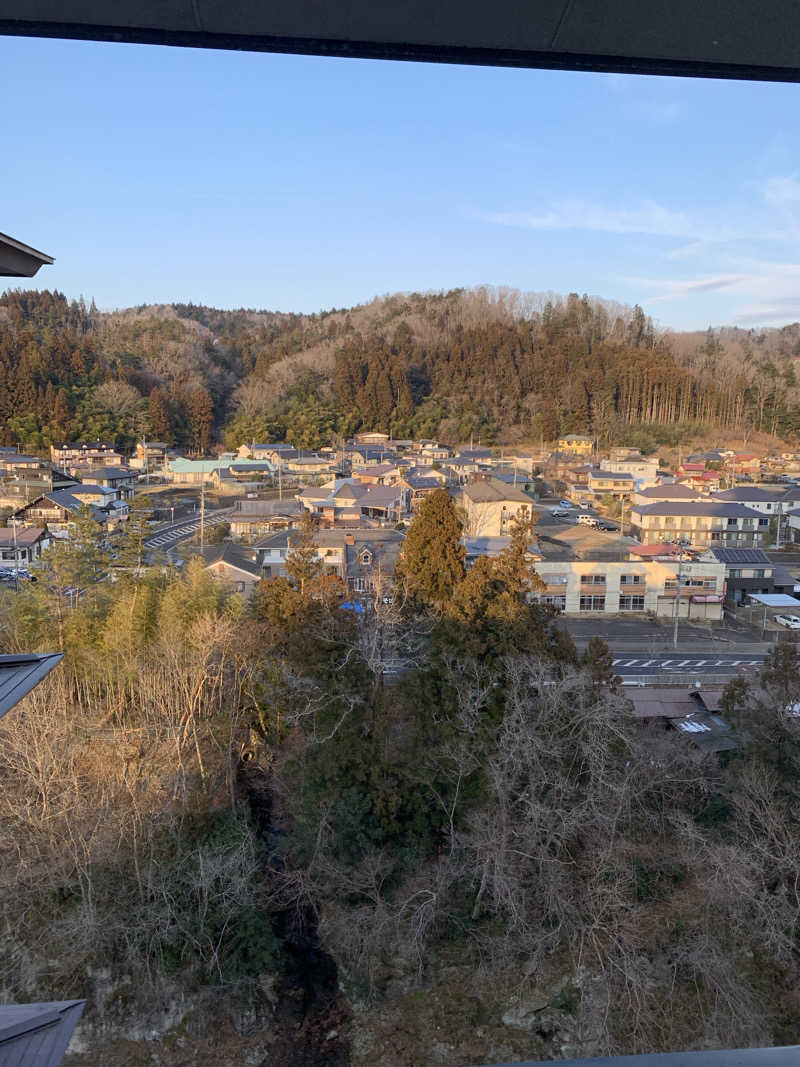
[18,260]
[19,674]
[731,39]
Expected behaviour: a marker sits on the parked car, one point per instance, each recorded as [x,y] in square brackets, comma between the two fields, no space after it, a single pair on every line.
[604,524]
[791,622]
[566,504]
[587,520]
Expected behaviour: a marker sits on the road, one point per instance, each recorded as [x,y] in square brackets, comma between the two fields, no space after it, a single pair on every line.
[629,665]
[168,537]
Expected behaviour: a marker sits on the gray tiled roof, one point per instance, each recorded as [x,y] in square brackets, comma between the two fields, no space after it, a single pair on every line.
[698,507]
[743,494]
[19,674]
[742,556]
[37,1035]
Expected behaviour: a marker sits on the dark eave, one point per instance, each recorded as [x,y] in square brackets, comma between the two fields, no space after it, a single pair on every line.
[18,260]
[716,38]
[19,674]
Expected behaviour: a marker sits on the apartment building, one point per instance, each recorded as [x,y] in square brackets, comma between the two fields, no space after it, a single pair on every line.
[490,506]
[575,443]
[702,523]
[578,587]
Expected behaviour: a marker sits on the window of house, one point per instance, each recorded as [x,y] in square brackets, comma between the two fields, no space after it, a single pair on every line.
[559,602]
[735,573]
[763,522]
[631,603]
[732,522]
[632,579]
[759,574]
[366,559]
[556,579]
[593,603]
[593,579]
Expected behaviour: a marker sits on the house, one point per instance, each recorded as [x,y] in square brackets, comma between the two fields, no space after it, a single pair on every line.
[693,714]
[152,456]
[22,546]
[365,559]
[577,587]
[243,475]
[642,469]
[389,503]
[666,493]
[371,437]
[766,501]
[91,453]
[308,466]
[435,453]
[382,474]
[618,484]
[336,502]
[475,547]
[233,563]
[255,518]
[748,571]
[59,510]
[120,480]
[576,444]
[419,487]
[275,453]
[490,506]
[702,523]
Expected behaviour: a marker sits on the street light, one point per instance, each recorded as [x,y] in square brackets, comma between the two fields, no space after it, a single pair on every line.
[676,612]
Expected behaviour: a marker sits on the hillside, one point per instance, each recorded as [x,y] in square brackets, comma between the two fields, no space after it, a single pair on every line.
[494,364]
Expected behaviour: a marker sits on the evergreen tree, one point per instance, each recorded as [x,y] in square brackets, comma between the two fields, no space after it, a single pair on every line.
[433,556]
[161,424]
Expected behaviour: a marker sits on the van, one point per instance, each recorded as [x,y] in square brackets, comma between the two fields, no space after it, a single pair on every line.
[587,520]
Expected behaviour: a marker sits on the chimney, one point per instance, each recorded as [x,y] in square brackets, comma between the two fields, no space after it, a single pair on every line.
[349,539]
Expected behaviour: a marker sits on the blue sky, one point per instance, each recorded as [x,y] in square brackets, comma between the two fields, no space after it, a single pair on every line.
[296,183]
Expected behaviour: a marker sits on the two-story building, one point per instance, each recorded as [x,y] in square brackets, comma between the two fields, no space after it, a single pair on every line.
[748,571]
[490,507]
[632,586]
[365,559]
[575,443]
[701,523]
[119,480]
[618,484]
[21,546]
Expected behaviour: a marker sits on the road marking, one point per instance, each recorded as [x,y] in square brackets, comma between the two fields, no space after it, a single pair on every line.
[647,662]
[666,663]
[614,662]
[630,663]
[735,663]
[701,663]
[683,662]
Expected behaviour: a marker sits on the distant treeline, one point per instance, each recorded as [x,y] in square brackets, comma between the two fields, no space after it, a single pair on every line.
[493,365]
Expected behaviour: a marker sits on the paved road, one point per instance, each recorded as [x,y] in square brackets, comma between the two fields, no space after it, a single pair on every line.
[169,537]
[628,665]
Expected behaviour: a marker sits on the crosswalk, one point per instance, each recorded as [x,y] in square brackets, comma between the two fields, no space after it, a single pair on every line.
[179,533]
[691,663]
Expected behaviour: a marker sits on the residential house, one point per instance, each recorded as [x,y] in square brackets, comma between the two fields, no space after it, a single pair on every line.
[335,503]
[576,443]
[365,559]
[675,492]
[120,480]
[382,474]
[748,571]
[275,453]
[371,437]
[153,456]
[578,587]
[91,453]
[704,481]
[22,546]
[419,487]
[305,467]
[693,714]
[251,519]
[233,563]
[388,503]
[490,506]
[435,453]
[475,547]
[618,484]
[366,455]
[643,470]
[59,510]
[702,523]
[767,501]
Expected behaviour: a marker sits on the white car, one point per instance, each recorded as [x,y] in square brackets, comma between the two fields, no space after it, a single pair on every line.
[791,622]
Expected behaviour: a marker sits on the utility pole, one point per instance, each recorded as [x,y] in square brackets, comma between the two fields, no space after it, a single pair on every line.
[16,559]
[202,514]
[677,600]
[280,479]
[778,530]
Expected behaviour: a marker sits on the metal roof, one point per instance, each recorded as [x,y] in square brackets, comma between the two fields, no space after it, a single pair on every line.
[37,1035]
[16,259]
[19,674]
[742,555]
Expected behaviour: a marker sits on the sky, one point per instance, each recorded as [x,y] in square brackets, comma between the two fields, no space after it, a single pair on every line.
[298,184]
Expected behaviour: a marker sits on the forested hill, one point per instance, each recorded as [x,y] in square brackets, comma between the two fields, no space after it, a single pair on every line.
[496,364]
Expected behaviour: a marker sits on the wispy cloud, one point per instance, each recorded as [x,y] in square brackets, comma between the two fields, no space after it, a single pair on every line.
[649,218]
[675,290]
[782,191]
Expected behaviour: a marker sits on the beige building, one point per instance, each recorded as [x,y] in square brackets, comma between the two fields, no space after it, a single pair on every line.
[577,443]
[703,524]
[578,587]
[489,507]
